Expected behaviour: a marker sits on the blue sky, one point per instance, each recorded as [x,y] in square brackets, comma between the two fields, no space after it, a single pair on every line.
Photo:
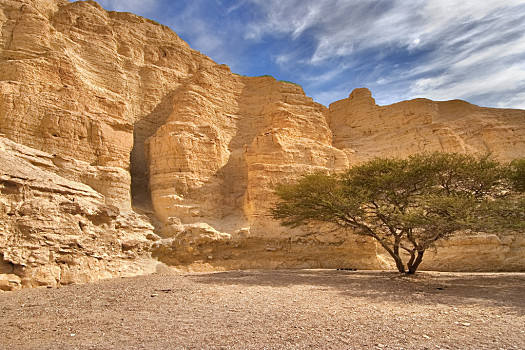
[400,49]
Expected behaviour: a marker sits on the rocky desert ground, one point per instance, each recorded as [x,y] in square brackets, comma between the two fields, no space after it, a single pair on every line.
[123,149]
[121,146]
[279,309]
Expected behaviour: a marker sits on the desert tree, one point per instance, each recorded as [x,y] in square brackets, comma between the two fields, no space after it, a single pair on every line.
[407,205]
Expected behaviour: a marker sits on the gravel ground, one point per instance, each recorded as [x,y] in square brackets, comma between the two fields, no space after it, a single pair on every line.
[303,309]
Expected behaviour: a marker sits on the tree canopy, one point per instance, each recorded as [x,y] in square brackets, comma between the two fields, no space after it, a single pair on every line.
[409,204]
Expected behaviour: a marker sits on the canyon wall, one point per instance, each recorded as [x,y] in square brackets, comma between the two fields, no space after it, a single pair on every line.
[365,130]
[121,145]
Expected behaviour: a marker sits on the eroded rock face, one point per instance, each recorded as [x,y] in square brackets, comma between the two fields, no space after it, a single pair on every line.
[104,115]
[216,162]
[482,252]
[58,231]
[85,87]
[365,130]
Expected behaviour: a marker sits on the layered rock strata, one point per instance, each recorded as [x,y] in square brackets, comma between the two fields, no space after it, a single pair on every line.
[105,115]
[365,130]
[215,163]
[57,231]
[113,98]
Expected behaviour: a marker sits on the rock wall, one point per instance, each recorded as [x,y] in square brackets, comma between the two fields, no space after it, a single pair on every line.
[365,130]
[482,252]
[106,115]
[58,231]
[84,87]
[214,165]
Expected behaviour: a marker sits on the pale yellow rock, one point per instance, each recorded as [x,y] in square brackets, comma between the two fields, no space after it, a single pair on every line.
[104,115]
[365,130]
[10,282]
[217,160]
[483,252]
[78,82]
[57,231]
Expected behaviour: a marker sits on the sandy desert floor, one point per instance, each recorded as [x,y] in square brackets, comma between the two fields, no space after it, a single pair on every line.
[304,309]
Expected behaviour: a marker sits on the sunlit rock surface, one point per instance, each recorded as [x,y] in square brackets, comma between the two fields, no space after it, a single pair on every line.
[120,145]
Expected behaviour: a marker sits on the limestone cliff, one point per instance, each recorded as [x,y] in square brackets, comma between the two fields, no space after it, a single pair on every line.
[215,162]
[122,106]
[85,87]
[58,231]
[106,115]
[365,130]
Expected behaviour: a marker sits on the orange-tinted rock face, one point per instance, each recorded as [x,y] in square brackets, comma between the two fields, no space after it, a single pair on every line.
[364,129]
[117,114]
[216,161]
[74,82]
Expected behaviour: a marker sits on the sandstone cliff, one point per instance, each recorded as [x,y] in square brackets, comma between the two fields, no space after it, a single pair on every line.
[58,231]
[215,162]
[365,130]
[107,117]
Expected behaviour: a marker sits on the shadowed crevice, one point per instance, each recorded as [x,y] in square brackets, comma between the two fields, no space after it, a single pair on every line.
[139,168]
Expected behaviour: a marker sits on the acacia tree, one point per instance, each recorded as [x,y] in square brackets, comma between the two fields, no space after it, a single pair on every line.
[409,204]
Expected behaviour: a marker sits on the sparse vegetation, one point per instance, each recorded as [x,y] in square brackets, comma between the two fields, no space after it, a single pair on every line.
[407,205]
[289,82]
[267,76]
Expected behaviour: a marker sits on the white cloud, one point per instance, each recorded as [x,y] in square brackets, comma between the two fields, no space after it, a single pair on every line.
[328,75]
[515,100]
[342,27]
[501,81]
[290,17]
[330,96]
[427,48]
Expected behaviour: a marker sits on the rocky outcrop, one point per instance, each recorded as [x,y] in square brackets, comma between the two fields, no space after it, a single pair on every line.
[365,130]
[106,115]
[78,81]
[126,109]
[481,252]
[58,231]
[84,86]
[215,164]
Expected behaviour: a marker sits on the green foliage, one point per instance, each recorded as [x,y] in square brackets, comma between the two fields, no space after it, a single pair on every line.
[409,204]
[289,82]
[518,173]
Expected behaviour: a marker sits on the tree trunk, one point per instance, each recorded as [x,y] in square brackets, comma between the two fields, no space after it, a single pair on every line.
[399,264]
[412,258]
[413,266]
[397,258]
[395,255]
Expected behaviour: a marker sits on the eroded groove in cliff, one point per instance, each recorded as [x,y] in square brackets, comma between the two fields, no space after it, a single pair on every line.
[145,128]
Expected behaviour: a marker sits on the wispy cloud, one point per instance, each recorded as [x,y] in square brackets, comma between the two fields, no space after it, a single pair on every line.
[469,49]
[431,50]
[508,81]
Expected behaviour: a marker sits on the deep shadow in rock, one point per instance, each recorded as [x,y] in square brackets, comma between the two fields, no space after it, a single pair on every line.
[144,128]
